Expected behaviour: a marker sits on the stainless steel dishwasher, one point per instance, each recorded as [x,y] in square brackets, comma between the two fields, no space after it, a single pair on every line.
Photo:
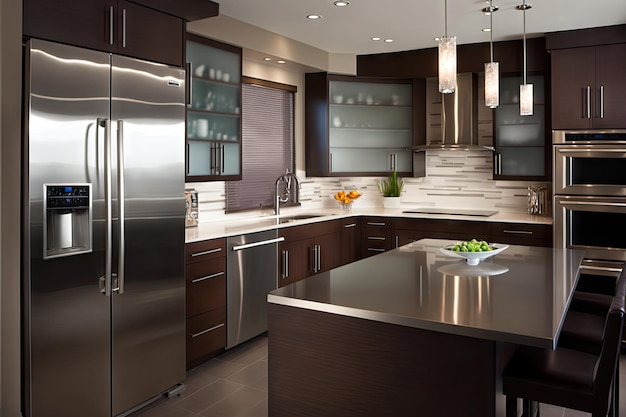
[252,271]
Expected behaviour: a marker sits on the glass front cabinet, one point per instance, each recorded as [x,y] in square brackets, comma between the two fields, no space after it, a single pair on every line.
[357,126]
[522,143]
[213,110]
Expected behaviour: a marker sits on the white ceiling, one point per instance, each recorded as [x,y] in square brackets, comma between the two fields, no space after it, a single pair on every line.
[413,24]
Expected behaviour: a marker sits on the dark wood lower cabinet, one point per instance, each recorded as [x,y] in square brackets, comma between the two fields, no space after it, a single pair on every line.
[406,231]
[205,300]
[522,234]
[376,235]
[308,250]
[350,240]
[410,230]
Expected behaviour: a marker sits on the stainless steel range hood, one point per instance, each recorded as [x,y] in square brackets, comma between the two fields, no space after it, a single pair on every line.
[452,119]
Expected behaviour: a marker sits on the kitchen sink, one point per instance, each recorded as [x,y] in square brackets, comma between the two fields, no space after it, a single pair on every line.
[293,218]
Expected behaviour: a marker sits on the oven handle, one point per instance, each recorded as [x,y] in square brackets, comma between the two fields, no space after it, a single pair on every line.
[616,150]
[592,203]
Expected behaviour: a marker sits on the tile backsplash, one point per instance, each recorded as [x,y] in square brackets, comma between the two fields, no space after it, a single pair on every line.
[453,179]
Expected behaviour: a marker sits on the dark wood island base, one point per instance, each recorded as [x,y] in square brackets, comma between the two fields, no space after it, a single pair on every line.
[324,364]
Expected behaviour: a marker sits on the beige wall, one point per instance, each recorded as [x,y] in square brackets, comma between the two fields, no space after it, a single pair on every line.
[10,134]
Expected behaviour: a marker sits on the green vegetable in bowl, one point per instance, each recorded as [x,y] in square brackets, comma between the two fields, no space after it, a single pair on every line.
[472,246]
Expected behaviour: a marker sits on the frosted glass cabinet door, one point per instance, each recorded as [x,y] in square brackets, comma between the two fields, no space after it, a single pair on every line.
[213,110]
[206,158]
[358,125]
[520,141]
[381,161]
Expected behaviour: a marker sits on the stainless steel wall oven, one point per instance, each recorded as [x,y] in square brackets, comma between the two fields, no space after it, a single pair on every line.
[590,192]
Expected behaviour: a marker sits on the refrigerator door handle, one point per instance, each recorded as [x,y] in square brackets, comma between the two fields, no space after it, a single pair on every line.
[108,244]
[121,206]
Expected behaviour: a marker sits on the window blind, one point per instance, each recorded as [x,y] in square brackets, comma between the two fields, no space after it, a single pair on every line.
[267,146]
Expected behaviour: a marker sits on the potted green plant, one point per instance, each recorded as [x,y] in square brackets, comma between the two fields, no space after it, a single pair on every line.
[391,190]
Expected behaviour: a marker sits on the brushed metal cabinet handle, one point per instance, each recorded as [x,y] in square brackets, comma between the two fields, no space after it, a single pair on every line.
[588,91]
[123,28]
[210,329]
[217,274]
[376,224]
[285,273]
[347,226]
[601,102]
[111,25]
[518,232]
[206,252]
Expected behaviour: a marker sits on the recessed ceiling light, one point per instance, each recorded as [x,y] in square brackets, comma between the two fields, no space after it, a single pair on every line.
[486,29]
[436,39]
[280,61]
[377,38]
[268,58]
[314,16]
[341,3]
[388,40]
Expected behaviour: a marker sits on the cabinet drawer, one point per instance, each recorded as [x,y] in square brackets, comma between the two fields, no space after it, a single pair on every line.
[308,231]
[376,223]
[206,249]
[206,286]
[206,336]
[522,234]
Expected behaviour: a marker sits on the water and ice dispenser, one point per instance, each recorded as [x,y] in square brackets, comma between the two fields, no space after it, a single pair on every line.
[67,220]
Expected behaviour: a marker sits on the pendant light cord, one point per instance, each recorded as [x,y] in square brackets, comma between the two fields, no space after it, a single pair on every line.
[445,12]
[524,14]
[491,29]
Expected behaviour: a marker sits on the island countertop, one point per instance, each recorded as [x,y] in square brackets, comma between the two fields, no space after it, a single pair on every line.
[518,296]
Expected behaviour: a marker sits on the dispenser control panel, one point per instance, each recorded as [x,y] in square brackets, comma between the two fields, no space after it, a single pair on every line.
[67,220]
[67,196]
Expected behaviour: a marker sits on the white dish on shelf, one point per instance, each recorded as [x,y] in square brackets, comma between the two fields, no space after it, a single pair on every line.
[474,258]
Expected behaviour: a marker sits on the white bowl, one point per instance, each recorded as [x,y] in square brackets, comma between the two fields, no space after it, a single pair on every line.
[474,258]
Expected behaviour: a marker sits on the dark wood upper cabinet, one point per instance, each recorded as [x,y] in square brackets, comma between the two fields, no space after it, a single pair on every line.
[588,83]
[588,87]
[121,27]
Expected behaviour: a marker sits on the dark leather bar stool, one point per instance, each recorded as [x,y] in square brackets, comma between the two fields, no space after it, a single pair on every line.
[568,377]
[583,328]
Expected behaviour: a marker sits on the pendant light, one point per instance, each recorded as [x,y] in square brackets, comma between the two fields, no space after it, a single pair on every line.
[492,69]
[447,59]
[525,90]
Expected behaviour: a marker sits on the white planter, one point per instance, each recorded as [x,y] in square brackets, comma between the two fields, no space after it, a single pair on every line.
[392,202]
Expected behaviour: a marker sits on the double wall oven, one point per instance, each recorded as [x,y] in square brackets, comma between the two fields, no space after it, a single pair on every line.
[590,195]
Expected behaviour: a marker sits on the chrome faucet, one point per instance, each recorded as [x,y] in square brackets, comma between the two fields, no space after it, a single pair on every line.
[286,178]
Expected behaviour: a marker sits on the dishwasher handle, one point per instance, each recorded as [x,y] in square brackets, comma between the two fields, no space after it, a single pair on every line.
[259,243]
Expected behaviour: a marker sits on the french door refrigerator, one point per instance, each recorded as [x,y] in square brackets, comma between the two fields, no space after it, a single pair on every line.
[103,232]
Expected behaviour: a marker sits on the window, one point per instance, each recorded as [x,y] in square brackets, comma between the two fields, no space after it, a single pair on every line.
[267,120]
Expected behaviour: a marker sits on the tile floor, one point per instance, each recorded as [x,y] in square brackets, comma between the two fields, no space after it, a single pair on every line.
[235,385]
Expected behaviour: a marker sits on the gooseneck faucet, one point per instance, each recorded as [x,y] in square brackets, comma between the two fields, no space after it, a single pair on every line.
[286,178]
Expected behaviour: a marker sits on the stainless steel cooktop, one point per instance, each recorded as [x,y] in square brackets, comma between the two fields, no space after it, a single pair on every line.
[452,211]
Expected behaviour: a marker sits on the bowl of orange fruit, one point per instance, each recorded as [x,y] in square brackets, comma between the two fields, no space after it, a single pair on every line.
[346,198]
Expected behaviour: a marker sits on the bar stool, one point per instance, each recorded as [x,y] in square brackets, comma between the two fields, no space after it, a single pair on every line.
[583,328]
[568,377]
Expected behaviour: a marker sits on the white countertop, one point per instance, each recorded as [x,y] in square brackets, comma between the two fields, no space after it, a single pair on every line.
[231,226]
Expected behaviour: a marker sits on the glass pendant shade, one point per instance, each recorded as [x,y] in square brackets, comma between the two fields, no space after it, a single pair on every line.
[492,84]
[447,64]
[526,99]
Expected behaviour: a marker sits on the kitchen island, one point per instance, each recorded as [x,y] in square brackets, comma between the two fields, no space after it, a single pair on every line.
[413,331]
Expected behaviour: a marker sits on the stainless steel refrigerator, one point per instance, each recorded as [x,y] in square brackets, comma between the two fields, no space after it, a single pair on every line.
[103,232]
